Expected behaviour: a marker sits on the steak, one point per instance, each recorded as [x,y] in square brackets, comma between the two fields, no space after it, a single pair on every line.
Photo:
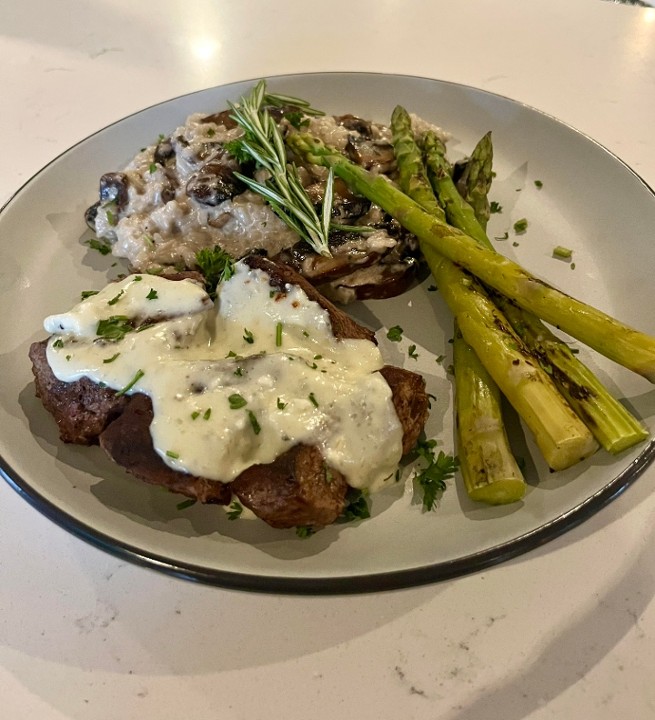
[82,409]
[297,489]
[128,443]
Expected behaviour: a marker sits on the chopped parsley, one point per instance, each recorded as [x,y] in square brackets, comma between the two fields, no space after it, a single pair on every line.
[58,343]
[520,226]
[281,405]
[207,414]
[152,167]
[216,266]
[237,150]
[195,414]
[87,294]
[538,184]
[137,376]
[411,351]
[112,219]
[304,531]
[495,207]
[102,246]
[356,506]
[114,328]
[432,478]
[248,336]
[236,401]
[395,333]
[234,513]
[152,295]
[297,119]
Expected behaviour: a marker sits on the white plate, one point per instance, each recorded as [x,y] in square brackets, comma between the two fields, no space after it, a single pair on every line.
[590,202]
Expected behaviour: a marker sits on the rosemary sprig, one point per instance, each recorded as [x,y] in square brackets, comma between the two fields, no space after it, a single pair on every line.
[282,189]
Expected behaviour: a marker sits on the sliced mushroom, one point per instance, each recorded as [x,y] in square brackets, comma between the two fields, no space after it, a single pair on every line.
[90,215]
[113,189]
[213,184]
[164,151]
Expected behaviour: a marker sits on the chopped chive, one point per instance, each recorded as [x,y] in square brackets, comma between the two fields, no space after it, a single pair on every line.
[253,421]
[195,414]
[278,335]
[152,167]
[112,358]
[562,252]
[312,399]
[171,454]
[207,414]
[87,294]
[116,298]
[139,374]
[186,504]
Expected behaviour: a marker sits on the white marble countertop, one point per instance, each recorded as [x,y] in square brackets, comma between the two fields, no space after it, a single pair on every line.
[564,631]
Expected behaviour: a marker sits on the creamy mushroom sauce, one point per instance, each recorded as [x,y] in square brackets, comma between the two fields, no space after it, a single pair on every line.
[236,382]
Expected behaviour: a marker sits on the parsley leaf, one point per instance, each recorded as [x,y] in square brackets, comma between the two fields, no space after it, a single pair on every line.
[236,401]
[234,513]
[495,207]
[395,334]
[102,246]
[520,226]
[216,265]
[114,328]
[237,150]
[304,531]
[356,506]
[432,478]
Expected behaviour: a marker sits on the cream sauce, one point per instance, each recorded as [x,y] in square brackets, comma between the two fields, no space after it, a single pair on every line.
[239,382]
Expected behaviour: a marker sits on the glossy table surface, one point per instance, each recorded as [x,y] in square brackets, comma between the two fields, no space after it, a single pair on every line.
[563,631]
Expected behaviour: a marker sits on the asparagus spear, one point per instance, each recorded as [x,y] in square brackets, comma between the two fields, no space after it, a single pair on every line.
[625,345]
[486,462]
[613,426]
[475,181]
[561,436]
[488,468]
